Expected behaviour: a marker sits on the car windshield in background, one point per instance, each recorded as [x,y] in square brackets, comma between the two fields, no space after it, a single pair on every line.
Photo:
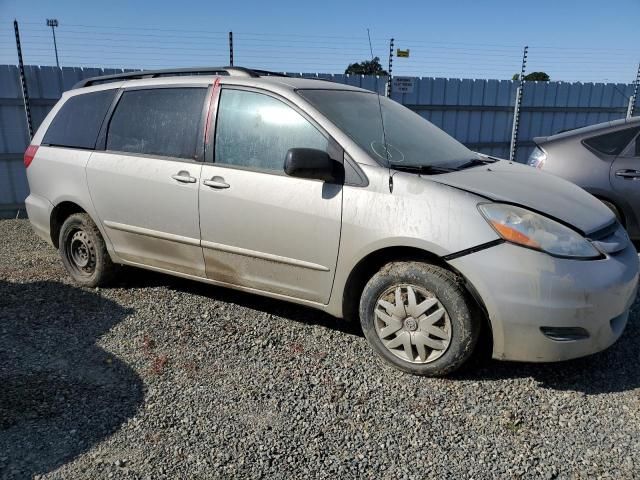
[412,141]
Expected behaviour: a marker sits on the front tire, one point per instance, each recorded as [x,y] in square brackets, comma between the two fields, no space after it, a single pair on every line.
[419,318]
[84,253]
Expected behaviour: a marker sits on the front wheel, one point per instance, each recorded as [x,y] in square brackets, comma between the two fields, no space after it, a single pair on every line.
[83,251]
[418,318]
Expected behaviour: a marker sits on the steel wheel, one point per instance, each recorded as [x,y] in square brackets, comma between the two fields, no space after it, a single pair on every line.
[84,252]
[412,323]
[81,253]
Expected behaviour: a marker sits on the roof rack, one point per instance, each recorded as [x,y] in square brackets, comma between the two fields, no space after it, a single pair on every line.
[268,73]
[174,72]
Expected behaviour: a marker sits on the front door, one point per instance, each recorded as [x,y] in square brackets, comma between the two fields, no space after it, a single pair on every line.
[144,185]
[260,228]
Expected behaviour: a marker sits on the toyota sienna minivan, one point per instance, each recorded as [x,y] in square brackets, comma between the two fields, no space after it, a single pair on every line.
[332,197]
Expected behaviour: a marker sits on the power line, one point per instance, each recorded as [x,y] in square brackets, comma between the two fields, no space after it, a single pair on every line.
[146,45]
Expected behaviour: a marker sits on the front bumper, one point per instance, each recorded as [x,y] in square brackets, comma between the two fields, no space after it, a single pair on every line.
[525,291]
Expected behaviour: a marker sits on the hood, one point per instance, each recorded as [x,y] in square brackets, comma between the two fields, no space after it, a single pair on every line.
[528,187]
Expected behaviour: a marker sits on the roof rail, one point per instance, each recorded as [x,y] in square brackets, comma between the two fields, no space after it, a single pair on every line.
[174,72]
[268,73]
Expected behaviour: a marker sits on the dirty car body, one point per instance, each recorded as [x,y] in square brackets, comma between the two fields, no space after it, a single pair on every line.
[293,189]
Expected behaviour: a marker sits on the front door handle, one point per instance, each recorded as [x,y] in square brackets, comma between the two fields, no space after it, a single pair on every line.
[184,177]
[630,174]
[216,182]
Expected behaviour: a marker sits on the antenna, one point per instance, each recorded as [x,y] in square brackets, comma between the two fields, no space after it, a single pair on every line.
[384,135]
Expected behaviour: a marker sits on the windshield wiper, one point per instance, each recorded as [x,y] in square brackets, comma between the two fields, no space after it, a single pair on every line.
[474,162]
[422,169]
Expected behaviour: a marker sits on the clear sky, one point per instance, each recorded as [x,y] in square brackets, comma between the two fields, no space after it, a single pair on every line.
[588,40]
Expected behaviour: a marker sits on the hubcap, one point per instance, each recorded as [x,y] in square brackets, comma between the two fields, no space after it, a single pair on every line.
[412,323]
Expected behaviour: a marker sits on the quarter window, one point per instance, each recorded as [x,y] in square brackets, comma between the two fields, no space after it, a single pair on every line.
[255,131]
[163,122]
[78,121]
[612,143]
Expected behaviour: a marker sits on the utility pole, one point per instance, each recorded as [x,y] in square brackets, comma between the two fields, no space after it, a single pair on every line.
[231,49]
[516,112]
[390,67]
[634,97]
[53,23]
[23,81]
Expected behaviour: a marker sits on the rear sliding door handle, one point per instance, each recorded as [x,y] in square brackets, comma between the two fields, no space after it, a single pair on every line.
[630,174]
[184,177]
[216,182]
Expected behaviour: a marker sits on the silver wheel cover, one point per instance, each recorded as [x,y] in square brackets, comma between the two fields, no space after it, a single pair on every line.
[412,323]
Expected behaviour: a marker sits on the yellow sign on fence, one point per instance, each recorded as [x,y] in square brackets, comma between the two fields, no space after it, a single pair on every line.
[402,53]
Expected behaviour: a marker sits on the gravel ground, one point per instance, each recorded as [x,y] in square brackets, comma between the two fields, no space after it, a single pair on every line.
[159,377]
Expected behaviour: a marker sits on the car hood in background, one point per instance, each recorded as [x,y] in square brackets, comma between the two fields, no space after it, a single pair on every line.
[528,187]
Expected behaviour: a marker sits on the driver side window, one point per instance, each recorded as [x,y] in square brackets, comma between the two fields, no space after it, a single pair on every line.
[255,131]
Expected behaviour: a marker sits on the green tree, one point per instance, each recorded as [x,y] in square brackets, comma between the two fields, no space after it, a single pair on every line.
[533,76]
[367,67]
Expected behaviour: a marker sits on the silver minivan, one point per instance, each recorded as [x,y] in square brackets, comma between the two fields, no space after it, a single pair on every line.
[333,197]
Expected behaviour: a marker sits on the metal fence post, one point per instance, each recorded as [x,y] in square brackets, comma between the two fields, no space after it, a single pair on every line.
[516,111]
[390,67]
[23,81]
[231,49]
[634,97]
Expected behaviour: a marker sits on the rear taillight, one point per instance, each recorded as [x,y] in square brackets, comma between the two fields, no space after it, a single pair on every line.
[29,153]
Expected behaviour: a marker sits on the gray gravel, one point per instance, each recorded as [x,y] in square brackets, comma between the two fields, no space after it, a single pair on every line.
[162,378]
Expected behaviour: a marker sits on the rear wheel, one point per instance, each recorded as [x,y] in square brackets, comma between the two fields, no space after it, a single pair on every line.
[83,251]
[418,318]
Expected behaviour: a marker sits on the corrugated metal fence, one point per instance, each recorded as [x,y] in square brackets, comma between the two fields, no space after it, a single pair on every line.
[479,113]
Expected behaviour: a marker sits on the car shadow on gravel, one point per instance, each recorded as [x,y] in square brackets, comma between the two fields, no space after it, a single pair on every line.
[139,278]
[614,370]
[60,393]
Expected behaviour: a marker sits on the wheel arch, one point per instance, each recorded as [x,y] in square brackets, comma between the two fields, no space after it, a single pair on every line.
[59,214]
[371,263]
[616,204]
[368,265]
[623,207]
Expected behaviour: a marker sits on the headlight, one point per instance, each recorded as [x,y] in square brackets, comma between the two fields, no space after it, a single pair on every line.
[529,229]
[537,158]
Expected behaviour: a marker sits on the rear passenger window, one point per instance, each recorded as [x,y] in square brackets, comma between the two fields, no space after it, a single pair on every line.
[78,122]
[256,131]
[163,121]
[612,143]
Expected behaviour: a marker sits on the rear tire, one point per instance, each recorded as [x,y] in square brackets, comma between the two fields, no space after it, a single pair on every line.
[84,252]
[419,318]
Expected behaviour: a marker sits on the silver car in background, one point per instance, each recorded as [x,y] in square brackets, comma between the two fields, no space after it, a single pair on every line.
[296,189]
[604,159]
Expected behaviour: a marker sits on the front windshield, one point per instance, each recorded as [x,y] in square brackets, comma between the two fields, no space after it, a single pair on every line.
[411,140]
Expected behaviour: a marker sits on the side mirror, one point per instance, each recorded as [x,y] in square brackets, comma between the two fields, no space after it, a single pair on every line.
[313,164]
